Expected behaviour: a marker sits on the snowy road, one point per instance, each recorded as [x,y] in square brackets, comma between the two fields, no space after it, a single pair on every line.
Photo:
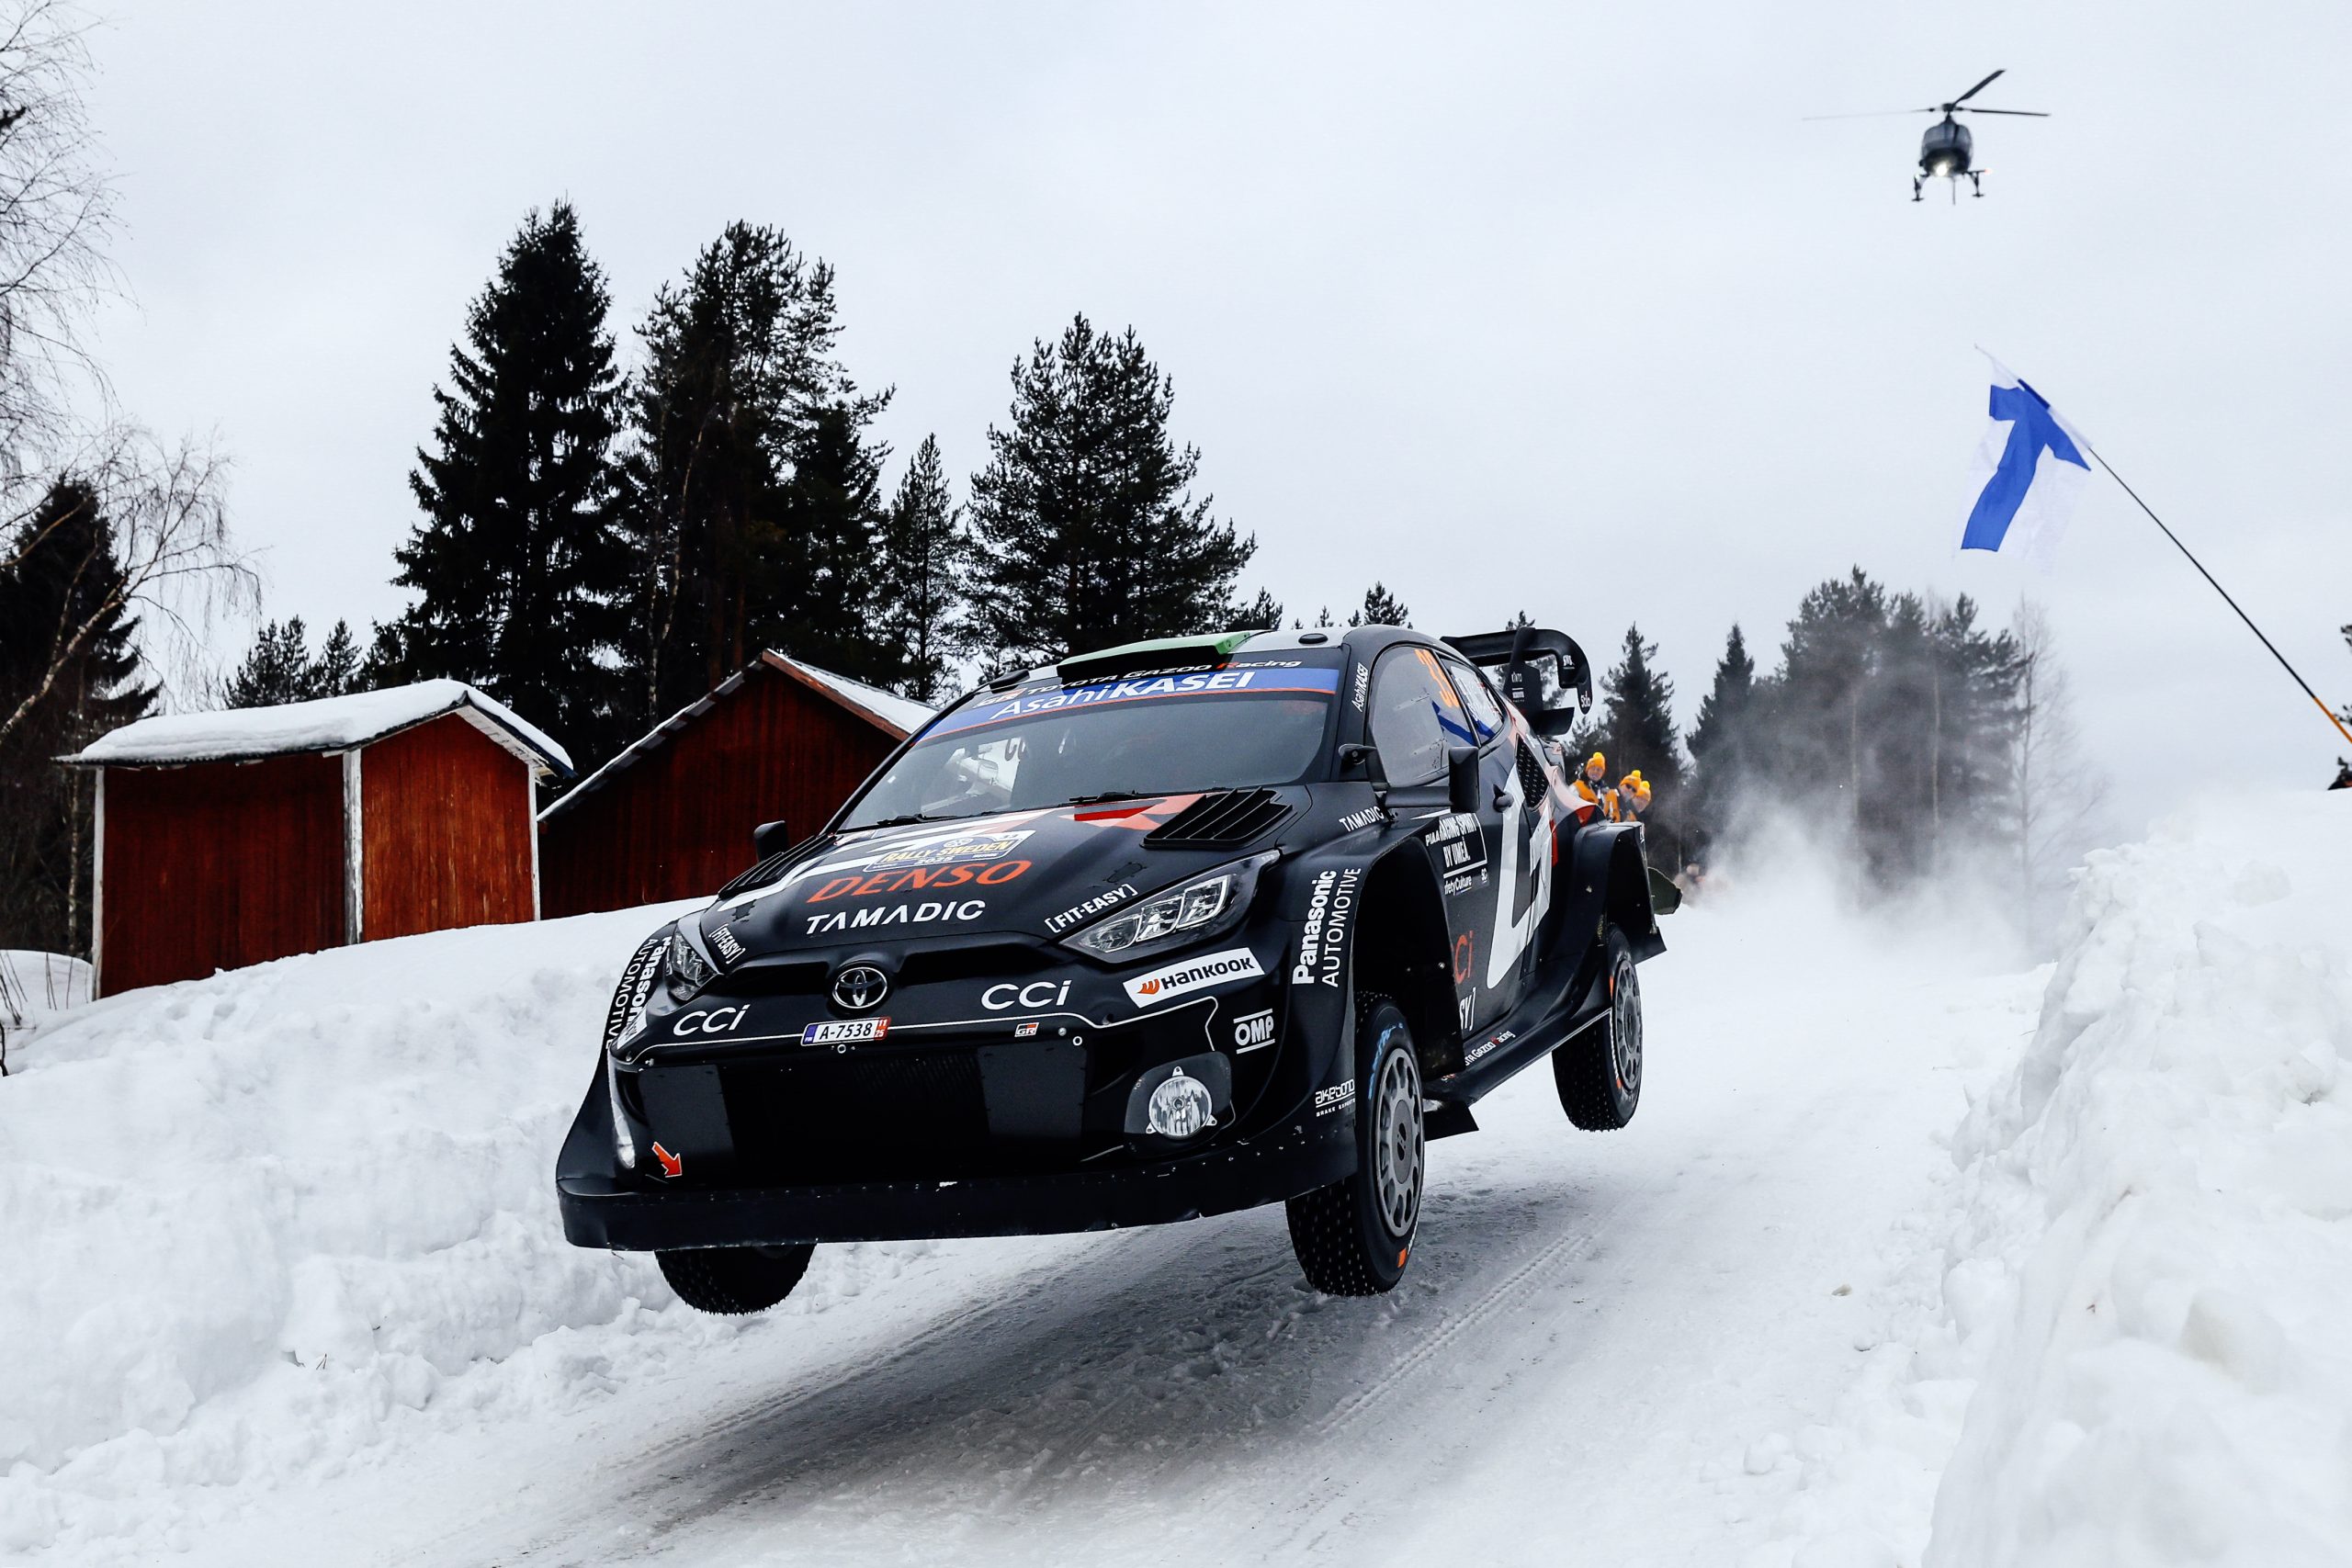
[1605,1352]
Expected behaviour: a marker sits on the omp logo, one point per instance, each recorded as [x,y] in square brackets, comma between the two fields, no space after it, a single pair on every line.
[1252,1030]
[1192,975]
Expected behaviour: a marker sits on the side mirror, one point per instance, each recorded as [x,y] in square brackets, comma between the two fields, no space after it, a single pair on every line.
[770,839]
[1356,754]
[1461,778]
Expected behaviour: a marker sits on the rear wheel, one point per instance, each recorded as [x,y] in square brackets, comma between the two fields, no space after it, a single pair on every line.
[1599,1072]
[1353,1238]
[734,1280]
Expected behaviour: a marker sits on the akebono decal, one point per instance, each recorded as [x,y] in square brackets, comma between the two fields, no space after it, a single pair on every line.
[1192,974]
[1251,681]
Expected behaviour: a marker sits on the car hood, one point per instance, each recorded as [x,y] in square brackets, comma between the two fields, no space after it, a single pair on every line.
[1045,872]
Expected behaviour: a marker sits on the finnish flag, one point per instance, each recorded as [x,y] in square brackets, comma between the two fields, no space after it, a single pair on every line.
[2029,473]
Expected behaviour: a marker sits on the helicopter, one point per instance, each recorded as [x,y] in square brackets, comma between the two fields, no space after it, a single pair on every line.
[1947,151]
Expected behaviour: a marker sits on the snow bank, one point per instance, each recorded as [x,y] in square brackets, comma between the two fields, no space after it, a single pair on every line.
[41,985]
[2127,1340]
[251,1220]
[325,723]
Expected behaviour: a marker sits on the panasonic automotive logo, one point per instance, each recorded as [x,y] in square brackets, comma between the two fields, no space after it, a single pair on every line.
[1192,975]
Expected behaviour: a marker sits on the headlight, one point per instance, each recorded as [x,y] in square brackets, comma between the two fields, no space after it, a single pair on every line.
[689,972]
[1199,909]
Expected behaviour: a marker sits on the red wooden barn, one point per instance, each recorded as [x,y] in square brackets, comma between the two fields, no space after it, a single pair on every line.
[227,839]
[671,817]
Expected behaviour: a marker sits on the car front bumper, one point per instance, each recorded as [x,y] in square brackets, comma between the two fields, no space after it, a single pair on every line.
[604,1206]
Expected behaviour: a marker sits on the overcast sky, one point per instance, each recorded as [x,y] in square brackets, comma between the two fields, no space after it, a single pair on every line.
[1561,307]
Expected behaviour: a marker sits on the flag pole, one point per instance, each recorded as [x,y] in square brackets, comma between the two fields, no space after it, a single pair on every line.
[2224,592]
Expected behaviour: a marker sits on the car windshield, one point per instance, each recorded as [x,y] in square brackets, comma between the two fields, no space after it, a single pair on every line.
[1046,743]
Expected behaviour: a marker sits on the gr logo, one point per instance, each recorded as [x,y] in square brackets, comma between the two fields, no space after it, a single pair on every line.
[1252,1030]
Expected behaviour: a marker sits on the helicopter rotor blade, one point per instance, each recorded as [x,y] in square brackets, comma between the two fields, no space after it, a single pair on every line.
[1976,89]
[1868,114]
[2037,114]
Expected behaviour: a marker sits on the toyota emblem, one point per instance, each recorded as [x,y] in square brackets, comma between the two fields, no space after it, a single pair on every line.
[860,987]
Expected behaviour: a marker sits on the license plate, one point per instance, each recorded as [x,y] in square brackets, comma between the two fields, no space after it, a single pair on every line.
[847,1032]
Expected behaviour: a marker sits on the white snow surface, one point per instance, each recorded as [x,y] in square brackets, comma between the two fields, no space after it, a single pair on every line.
[41,983]
[2121,1336]
[326,723]
[287,1284]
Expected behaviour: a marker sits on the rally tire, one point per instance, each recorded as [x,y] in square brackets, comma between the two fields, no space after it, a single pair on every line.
[1353,1238]
[734,1280]
[1598,1070]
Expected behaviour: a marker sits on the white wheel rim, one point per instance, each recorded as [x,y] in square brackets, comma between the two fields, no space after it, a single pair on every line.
[1625,1028]
[1397,1143]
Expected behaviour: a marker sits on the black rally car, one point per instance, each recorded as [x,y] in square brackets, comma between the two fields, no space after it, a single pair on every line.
[1166,930]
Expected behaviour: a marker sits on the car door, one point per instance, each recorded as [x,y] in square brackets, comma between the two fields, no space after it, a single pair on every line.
[1524,828]
[1416,715]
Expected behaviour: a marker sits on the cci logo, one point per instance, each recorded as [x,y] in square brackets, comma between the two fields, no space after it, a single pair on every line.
[1036,993]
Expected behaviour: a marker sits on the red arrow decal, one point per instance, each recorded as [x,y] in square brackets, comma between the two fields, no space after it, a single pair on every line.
[671,1164]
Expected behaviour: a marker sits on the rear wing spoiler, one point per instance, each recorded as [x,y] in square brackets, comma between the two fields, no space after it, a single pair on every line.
[1538,669]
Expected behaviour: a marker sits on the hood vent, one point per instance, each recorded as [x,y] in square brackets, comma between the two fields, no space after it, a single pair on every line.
[764,871]
[1223,818]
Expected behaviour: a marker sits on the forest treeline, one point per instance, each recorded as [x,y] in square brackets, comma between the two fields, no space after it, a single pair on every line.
[1895,724]
[612,518]
[603,536]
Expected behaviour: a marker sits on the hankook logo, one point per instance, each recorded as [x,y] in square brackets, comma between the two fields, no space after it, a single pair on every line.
[860,987]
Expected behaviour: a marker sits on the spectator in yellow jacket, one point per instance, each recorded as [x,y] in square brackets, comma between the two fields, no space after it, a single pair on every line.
[1592,789]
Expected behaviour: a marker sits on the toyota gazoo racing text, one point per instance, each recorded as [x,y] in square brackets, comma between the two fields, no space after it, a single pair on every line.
[1162,931]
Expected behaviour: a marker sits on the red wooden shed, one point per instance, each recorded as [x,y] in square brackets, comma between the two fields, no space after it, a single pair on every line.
[228,838]
[671,816]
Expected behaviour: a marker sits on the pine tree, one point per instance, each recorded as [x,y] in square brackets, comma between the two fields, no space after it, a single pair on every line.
[65,573]
[1263,613]
[276,669]
[1636,726]
[1381,608]
[519,565]
[1088,534]
[336,671]
[821,590]
[1827,664]
[1728,740]
[740,386]
[924,555]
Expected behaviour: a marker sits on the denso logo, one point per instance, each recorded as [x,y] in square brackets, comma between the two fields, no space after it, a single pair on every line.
[917,878]
[1192,975]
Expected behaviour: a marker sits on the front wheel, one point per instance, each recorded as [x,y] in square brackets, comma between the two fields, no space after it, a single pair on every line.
[1599,1072]
[734,1280]
[1353,1237]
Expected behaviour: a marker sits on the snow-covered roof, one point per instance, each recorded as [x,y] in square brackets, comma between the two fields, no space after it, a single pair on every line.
[900,715]
[328,724]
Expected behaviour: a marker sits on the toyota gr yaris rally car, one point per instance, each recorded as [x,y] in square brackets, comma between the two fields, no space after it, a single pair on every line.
[1153,933]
